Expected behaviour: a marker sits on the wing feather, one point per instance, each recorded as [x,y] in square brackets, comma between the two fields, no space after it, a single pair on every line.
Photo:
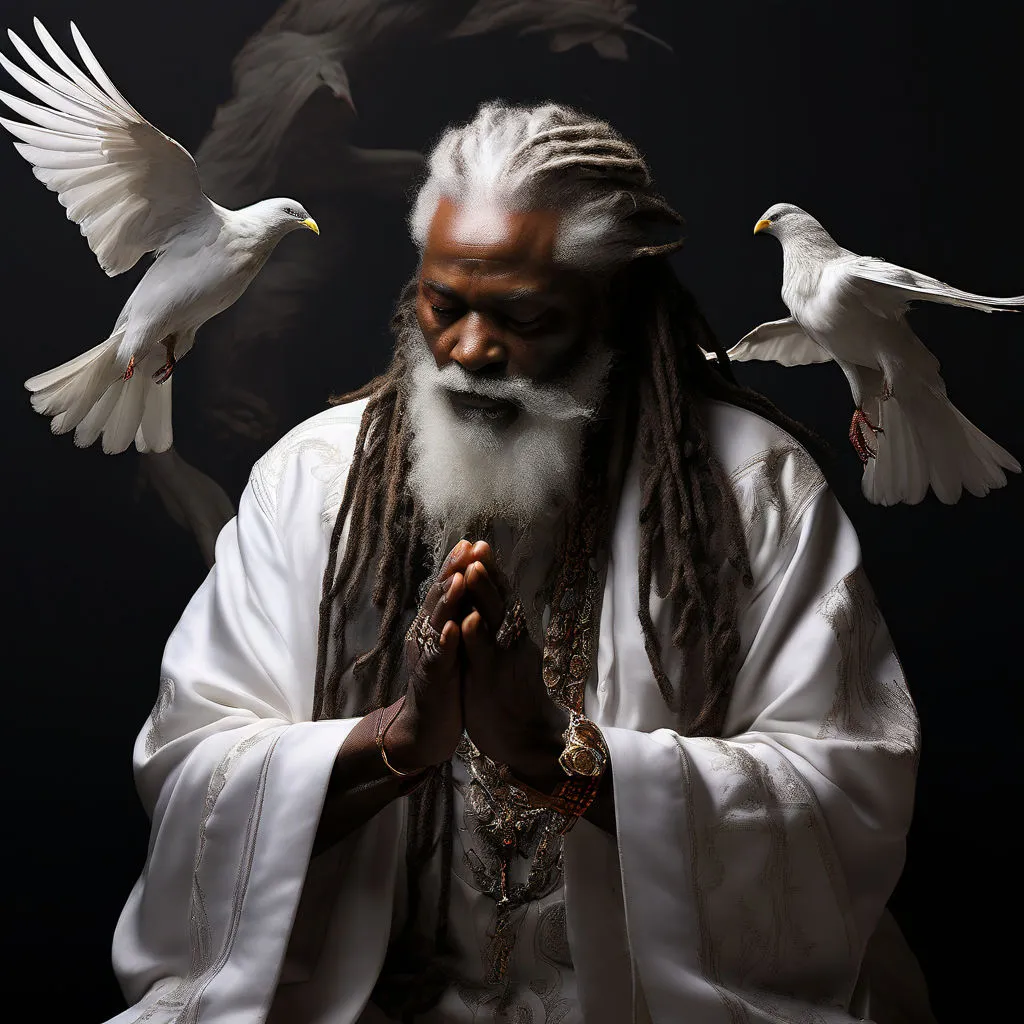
[906,286]
[129,187]
[780,341]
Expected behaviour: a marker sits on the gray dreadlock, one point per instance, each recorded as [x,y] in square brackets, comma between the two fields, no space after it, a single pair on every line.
[613,224]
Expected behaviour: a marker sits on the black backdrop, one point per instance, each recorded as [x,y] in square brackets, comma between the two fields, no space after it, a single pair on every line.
[897,124]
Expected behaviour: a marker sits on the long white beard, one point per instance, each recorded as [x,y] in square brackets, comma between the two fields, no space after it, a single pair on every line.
[518,475]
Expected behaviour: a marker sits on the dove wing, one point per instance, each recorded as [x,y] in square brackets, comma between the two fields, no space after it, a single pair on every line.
[128,186]
[780,341]
[906,286]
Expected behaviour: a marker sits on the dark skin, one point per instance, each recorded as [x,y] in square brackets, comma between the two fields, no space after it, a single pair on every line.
[492,298]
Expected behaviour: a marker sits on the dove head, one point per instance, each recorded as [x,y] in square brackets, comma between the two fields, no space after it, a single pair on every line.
[279,217]
[784,220]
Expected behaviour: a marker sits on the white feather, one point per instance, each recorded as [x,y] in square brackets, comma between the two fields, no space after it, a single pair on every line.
[851,309]
[133,159]
[132,190]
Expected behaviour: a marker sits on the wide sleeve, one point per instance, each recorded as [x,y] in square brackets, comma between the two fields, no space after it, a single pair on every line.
[755,867]
[233,773]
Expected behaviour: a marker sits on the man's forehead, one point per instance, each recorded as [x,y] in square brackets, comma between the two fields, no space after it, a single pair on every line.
[486,232]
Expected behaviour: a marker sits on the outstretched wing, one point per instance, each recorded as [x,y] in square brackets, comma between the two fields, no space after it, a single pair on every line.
[780,341]
[127,185]
[905,286]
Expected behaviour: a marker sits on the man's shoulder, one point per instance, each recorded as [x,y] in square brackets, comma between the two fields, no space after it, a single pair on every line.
[319,450]
[773,476]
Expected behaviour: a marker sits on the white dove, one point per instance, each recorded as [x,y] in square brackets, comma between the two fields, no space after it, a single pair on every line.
[851,309]
[132,190]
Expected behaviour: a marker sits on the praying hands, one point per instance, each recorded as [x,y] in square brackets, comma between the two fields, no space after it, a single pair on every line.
[462,676]
[508,713]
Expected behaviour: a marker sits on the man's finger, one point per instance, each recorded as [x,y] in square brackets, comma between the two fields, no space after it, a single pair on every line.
[481,551]
[485,595]
[479,648]
[432,668]
[449,593]
[458,558]
[439,588]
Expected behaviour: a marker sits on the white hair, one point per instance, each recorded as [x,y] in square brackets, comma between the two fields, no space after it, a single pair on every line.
[465,471]
[550,156]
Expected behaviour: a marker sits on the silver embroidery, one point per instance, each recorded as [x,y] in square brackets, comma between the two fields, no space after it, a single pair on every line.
[768,799]
[155,738]
[181,996]
[329,468]
[784,478]
[538,872]
[870,705]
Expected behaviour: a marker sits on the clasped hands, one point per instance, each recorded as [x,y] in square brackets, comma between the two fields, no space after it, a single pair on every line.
[470,682]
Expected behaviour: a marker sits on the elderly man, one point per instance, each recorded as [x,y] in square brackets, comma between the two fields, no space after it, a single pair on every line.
[538,680]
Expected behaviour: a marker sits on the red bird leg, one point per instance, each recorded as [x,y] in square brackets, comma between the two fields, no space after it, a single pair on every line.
[857,439]
[165,372]
[130,370]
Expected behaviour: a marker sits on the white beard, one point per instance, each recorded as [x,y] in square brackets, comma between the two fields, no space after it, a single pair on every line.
[468,470]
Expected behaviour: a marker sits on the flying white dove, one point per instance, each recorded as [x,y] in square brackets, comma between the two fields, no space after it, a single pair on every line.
[851,309]
[132,190]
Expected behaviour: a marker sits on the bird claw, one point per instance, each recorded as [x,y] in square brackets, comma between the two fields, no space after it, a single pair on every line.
[164,373]
[129,370]
[858,440]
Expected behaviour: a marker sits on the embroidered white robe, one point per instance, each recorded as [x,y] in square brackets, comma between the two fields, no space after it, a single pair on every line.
[747,875]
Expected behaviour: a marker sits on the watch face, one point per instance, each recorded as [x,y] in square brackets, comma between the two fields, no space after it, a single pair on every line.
[584,760]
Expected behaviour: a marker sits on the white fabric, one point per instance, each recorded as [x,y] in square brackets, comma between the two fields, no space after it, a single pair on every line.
[747,875]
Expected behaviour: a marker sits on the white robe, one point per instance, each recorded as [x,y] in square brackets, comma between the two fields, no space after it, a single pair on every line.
[747,875]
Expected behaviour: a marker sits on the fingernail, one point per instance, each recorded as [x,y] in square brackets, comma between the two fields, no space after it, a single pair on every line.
[445,587]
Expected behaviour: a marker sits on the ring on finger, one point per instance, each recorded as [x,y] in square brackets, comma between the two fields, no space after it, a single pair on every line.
[428,639]
[513,625]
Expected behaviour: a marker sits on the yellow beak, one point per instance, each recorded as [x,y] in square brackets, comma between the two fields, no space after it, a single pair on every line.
[311,224]
[761,225]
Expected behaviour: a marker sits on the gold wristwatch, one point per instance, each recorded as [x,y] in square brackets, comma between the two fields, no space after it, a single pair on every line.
[585,751]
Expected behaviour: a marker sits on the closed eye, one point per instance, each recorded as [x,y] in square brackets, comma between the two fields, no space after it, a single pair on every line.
[444,312]
[530,321]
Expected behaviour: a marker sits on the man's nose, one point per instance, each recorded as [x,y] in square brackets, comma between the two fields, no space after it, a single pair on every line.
[478,345]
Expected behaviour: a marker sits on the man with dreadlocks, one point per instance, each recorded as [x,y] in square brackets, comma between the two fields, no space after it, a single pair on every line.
[538,680]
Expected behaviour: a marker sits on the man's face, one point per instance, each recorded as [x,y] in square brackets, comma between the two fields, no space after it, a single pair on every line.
[492,299]
[504,372]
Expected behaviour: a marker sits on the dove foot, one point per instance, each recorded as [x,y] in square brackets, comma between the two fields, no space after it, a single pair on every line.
[164,373]
[858,440]
[130,370]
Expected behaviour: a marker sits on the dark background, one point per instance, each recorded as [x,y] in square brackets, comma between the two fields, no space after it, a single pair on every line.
[895,124]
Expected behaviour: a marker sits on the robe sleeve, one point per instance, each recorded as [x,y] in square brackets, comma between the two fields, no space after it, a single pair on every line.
[755,867]
[233,774]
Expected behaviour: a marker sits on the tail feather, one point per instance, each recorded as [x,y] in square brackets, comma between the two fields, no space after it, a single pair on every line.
[87,394]
[154,433]
[69,391]
[126,416]
[927,442]
[60,374]
[94,420]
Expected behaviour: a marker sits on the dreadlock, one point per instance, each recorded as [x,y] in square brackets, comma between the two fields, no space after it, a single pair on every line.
[692,546]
